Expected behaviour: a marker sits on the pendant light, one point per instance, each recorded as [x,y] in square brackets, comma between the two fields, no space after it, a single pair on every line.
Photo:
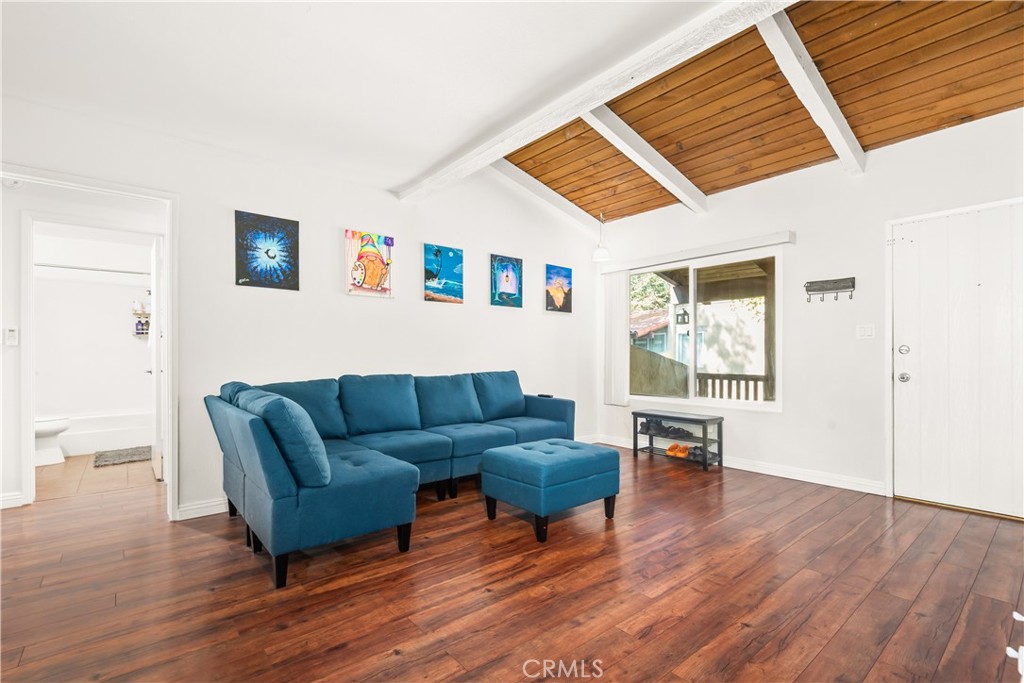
[601,253]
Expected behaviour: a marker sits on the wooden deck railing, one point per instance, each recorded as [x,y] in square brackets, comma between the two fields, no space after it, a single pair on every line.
[738,387]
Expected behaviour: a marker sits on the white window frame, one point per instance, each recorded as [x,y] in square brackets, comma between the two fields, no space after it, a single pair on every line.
[694,264]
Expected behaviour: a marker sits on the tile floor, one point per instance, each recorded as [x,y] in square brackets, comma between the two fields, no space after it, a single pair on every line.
[76,476]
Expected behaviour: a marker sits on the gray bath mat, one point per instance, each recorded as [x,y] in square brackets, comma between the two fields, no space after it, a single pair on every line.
[123,455]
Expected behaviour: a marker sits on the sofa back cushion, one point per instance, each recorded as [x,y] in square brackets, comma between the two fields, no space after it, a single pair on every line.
[500,394]
[229,392]
[447,400]
[319,398]
[379,403]
[294,433]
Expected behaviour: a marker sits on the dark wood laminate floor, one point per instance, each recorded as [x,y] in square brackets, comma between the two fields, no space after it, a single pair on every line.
[725,575]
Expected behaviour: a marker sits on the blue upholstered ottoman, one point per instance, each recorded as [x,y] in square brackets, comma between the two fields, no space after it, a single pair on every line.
[549,476]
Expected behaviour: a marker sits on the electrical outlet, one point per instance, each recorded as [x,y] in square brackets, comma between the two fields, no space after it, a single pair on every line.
[11,336]
[865,332]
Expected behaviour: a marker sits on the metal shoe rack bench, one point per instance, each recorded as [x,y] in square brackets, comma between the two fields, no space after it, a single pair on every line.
[705,440]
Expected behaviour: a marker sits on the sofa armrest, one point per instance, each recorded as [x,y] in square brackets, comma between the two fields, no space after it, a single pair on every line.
[557,409]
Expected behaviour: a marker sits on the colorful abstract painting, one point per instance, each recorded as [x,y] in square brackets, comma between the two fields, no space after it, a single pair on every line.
[266,251]
[442,274]
[506,281]
[368,261]
[558,288]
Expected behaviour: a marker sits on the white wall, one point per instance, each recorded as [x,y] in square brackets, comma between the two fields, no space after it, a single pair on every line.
[831,426]
[88,362]
[228,332]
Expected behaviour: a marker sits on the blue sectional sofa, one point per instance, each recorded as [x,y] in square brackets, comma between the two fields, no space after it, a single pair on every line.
[312,462]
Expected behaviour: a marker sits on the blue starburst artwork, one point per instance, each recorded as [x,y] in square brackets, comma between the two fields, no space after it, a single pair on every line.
[266,251]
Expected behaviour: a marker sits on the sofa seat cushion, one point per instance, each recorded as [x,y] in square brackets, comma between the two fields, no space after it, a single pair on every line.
[474,438]
[294,433]
[319,398]
[368,491]
[410,445]
[341,447]
[446,400]
[500,394]
[532,428]
[379,403]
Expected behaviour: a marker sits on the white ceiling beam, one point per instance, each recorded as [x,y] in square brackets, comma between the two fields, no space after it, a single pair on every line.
[797,66]
[544,193]
[629,142]
[719,23]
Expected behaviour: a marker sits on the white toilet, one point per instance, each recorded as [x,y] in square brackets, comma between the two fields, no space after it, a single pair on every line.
[48,450]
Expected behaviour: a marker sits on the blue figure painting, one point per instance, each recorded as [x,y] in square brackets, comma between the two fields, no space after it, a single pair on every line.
[442,274]
[266,251]
[558,289]
[506,281]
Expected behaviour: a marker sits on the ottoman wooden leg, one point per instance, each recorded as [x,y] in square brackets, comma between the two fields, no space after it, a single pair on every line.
[442,489]
[257,544]
[609,507]
[492,507]
[232,510]
[453,488]
[540,527]
[248,536]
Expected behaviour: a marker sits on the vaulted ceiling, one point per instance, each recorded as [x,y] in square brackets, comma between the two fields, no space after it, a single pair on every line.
[729,116]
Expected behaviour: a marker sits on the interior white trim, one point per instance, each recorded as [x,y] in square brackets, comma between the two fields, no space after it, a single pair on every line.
[768,240]
[11,500]
[722,21]
[170,235]
[797,66]
[202,508]
[639,151]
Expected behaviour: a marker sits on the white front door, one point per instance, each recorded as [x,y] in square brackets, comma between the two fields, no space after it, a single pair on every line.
[957,359]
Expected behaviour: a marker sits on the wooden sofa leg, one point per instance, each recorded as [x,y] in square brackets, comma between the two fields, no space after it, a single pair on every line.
[492,507]
[404,535]
[442,487]
[609,507]
[280,570]
[453,487]
[257,544]
[248,536]
[540,527]
[232,510]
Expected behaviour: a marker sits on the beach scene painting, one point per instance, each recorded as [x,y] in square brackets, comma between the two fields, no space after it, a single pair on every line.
[558,288]
[442,274]
[506,281]
[368,261]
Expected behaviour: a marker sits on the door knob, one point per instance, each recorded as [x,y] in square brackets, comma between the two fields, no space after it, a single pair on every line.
[903,377]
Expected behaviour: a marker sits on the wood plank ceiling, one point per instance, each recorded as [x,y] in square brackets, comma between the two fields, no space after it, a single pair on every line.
[728,117]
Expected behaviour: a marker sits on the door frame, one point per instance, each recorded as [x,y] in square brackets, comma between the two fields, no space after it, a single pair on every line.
[890,227]
[169,234]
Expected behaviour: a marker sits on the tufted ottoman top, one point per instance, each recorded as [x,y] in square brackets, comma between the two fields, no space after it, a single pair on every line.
[550,462]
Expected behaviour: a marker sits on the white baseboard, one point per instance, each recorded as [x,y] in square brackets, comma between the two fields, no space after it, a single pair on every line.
[813,476]
[11,500]
[786,471]
[202,508]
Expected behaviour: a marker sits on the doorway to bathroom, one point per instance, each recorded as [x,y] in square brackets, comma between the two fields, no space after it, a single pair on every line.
[96,337]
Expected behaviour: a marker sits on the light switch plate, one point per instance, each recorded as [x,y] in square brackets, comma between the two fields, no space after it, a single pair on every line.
[865,332]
